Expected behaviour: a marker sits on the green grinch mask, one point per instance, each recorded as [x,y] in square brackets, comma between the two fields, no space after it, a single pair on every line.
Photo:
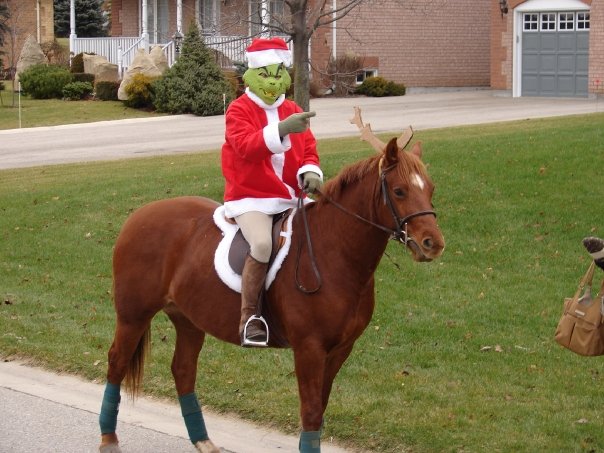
[268,82]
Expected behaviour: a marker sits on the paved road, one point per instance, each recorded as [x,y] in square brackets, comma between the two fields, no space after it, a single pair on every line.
[187,133]
[43,412]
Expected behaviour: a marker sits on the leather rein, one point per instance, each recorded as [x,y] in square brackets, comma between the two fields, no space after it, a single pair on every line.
[398,234]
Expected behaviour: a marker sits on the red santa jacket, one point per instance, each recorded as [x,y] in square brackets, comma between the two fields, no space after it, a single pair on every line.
[263,172]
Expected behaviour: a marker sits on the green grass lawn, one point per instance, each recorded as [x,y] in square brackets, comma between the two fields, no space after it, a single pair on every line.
[53,112]
[459,355]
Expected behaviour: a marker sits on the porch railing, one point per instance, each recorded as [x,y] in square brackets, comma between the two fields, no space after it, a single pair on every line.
[121,50]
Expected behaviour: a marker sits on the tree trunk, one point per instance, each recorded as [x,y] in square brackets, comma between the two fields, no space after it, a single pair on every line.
[301,41]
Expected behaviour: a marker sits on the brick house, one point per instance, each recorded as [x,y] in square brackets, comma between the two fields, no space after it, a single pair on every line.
[523,47]
[28,18]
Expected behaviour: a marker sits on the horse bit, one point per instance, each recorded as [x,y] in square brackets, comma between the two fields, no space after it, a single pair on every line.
[398,234]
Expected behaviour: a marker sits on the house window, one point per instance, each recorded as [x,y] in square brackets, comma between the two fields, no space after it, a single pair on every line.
[582,21]
[265,14]
[566,21]
[208,11]
[548,21]
[364,74]
[531,22]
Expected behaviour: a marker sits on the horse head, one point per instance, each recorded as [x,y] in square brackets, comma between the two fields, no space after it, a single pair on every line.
[406,190]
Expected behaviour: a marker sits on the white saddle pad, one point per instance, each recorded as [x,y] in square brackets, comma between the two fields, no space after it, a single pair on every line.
[221,258]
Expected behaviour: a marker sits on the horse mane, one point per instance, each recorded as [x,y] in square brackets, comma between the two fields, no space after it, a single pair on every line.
[408,164]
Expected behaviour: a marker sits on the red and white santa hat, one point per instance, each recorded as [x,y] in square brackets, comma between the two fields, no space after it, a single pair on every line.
[267,51]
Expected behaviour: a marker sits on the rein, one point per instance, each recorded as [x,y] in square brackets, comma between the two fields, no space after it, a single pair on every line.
[399,233]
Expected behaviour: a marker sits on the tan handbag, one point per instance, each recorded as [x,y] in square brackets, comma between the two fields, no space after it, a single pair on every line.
[580,328]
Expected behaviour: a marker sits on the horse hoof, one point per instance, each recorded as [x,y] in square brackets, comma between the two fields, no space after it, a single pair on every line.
[206,446]
[110,448]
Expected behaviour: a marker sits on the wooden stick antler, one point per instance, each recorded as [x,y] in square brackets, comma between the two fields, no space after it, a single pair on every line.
[368,136]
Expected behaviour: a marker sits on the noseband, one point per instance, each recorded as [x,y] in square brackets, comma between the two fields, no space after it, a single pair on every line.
[400,232]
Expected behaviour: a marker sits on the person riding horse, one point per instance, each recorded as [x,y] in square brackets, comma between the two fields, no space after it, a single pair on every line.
[269,159]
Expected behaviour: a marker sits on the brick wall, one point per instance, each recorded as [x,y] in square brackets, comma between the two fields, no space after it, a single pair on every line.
[421,44]
[24,19]
[596,48]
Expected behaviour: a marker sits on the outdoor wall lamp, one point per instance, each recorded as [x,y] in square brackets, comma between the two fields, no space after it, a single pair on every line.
[177,38]
[503,7]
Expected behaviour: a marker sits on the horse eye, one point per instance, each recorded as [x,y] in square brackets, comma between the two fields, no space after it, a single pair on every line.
[399,192]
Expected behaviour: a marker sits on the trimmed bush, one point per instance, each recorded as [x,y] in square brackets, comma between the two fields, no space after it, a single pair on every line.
[75,91]
[379,87]
[140,92]
[106,91]
[45,81]
[194,84]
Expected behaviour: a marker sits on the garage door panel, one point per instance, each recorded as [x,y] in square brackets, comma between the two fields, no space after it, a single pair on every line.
[566,85]
[583,41]
[549,42]
[582,62]
[530,84]
[566,64]
[567,42]
[581,84]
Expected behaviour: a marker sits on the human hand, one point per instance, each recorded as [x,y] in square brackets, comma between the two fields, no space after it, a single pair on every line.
[297,122]
[311,182]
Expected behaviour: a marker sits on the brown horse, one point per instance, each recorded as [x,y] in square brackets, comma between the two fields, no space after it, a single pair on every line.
[163,260]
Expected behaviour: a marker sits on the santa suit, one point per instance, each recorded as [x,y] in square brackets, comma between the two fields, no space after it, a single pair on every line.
[263,172]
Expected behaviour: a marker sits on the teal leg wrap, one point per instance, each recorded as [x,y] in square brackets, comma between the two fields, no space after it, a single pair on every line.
[109,408]
[310,442]
[191,412]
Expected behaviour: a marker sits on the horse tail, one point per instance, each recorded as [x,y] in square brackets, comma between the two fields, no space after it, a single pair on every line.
[136,366]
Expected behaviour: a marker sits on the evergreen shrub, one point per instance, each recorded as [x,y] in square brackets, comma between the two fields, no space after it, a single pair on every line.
[194,84]
[43,81]
[75,91]
[379,87]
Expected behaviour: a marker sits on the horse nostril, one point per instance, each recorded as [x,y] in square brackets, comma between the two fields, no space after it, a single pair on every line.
[427,243]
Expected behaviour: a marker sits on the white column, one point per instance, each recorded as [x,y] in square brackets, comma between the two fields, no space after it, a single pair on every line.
[179,16]
[145,30]
[72,26]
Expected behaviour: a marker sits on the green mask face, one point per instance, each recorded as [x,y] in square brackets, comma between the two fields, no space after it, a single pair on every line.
[268,82]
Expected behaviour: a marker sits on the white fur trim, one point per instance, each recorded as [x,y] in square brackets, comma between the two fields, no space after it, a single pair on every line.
[309,167]
[221,256]
[272,139]
[267,57]
[598,255]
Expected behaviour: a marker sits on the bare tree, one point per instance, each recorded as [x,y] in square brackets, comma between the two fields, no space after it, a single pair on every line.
[14,31]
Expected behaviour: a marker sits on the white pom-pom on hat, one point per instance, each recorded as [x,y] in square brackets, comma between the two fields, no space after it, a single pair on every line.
[267,51]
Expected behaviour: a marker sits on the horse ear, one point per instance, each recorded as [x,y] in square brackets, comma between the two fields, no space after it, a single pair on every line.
[391,152]
[417,149]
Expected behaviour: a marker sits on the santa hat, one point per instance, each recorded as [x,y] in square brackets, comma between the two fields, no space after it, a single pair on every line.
[264,52]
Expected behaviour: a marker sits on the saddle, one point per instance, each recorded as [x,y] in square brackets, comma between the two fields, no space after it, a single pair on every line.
[233,248]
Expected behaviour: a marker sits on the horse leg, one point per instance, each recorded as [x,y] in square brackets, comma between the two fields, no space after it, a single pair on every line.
[310,362]
[126,357]
[335,360]
[189,341]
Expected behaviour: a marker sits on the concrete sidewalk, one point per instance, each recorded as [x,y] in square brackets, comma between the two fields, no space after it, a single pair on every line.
[109,140]
[46,412]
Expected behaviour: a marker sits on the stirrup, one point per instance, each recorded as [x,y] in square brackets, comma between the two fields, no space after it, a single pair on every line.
[251,343]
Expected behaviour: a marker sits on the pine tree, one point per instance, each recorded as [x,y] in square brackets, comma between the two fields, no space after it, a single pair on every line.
[90,18]
[195,83]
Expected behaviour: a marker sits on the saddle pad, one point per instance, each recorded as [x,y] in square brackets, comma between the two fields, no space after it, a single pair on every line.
[221,257]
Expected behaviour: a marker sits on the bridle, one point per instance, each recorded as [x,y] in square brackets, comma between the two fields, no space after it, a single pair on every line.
[399,233]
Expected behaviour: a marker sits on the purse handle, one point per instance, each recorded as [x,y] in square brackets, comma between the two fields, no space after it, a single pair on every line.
[586,280]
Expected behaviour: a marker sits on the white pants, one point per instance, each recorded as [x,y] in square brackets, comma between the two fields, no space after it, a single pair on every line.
[256,228]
